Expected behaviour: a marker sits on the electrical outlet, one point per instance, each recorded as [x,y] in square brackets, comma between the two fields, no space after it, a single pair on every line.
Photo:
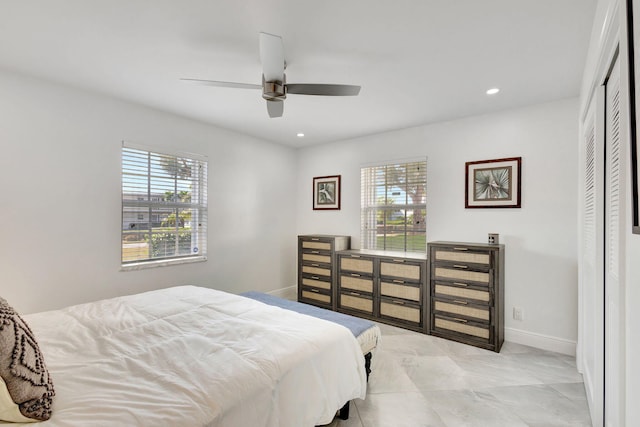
[518,313]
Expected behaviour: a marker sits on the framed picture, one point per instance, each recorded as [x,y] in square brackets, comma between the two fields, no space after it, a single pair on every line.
[326,192]
[633,39]
[493,183]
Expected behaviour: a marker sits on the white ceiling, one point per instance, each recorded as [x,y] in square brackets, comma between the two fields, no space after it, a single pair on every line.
[418,61]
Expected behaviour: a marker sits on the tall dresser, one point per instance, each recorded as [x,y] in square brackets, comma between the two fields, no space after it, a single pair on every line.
[466,293]
[317,268]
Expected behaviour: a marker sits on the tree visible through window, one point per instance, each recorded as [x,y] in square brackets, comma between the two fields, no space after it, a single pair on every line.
[164,205]
[393,207]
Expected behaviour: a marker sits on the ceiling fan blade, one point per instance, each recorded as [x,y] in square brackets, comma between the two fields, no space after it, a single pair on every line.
[275,108]
[224,84]
[322,89]
[272,57]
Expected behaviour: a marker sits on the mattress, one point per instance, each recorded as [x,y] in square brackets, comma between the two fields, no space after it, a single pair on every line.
[198,357]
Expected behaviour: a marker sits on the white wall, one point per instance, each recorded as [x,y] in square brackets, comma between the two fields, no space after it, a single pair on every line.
[540,238]
[60,215]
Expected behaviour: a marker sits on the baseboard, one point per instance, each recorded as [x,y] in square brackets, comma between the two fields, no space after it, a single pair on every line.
[545,342]
[290,293]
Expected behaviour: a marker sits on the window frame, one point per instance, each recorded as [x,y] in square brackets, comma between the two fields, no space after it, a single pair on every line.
[154,203]
[370,208]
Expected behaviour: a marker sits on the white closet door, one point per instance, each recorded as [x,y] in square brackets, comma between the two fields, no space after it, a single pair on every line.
[591,273]
[614,322]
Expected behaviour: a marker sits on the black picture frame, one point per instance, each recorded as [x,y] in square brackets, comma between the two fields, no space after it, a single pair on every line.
[493,183]
[326,192]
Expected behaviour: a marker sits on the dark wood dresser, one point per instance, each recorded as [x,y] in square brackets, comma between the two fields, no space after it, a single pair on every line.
[317,268]
[466,293]
[384,286]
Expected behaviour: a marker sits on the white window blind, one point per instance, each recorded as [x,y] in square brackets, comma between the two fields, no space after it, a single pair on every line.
[393,207]
[164,206]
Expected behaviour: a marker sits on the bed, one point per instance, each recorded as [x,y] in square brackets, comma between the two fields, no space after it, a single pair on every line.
[193,356]
[366,332]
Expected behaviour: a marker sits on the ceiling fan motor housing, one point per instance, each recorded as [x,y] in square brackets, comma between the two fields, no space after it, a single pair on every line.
[273,90]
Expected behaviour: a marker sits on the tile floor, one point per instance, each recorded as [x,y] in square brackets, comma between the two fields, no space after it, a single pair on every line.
[418,380]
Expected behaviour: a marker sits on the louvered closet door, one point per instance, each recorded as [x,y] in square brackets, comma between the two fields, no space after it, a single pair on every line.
[614,324]
[591,329]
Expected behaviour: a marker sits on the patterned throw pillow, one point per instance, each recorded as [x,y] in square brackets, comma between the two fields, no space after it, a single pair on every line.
[22,367]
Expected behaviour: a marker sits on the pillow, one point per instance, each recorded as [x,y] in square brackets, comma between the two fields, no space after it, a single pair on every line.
[22,370]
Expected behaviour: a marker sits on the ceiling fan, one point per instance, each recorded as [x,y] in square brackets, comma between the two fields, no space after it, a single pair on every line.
[274,85]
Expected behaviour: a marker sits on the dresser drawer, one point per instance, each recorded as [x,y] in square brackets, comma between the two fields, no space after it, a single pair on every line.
[315,295]
[356,282]
[464,328]
[317,257]
[462,255]
[401,269]
[316,244]
[316,269]
[400,289]
[357,264]
[400,310]
[462,308]
[356,301]
[461,272]
[462,290]
[313,281]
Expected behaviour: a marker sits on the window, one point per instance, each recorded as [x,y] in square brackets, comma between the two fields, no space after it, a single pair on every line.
[164,207]
[393,207]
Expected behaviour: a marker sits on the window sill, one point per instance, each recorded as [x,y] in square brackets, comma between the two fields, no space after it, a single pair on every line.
[161,263]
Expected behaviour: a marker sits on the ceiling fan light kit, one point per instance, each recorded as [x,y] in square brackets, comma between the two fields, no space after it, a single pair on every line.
[274,86]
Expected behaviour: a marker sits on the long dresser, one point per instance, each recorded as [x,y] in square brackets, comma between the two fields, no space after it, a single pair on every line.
[317,271]
[466,293]
[457,295]
[384,286]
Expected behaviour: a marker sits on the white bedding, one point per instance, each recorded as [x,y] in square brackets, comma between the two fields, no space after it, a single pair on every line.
[190,356]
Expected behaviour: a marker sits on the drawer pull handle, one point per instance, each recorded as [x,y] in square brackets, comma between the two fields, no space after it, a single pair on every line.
[355,256]
[398,302]
[399,281]
[315,252]
[315,239]
[461,249]
[460,266]
[460,284]
[355,275]
[355,294]
[315,290]
[460,320]
[461,302]
[315,265]
[398,260]
[315,277]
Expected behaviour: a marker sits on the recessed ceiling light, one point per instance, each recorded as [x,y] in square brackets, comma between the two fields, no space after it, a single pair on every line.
[493,91]
[300,135]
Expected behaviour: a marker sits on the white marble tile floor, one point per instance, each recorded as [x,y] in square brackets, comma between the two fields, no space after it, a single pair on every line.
[418,380]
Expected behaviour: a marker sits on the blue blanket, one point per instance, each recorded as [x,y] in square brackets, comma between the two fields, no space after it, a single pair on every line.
[354,324]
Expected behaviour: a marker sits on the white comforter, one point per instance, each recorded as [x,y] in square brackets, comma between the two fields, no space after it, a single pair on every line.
[190,356]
